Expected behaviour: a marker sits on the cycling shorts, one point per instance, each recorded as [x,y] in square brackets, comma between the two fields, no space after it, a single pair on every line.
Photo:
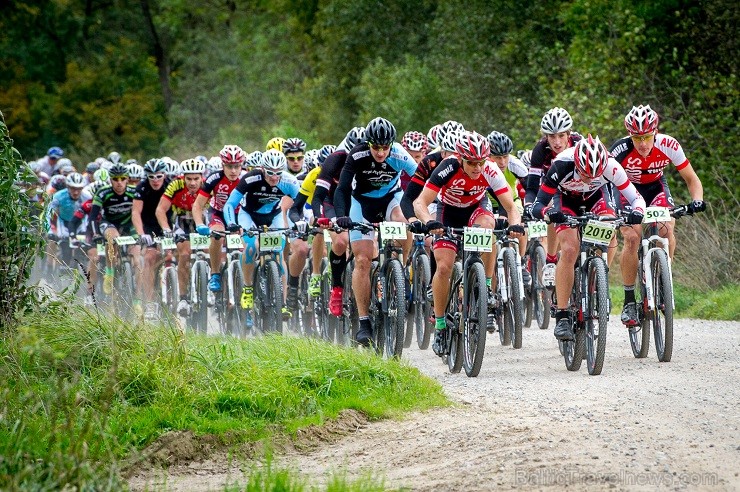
[372,210]
[600,202]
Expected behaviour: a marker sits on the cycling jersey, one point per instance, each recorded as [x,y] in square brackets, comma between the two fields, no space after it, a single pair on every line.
[113,208]
[218,185]
[257,197]
[542,157]
[514,171]
[455,188]
[180,198]
[150,200]
[328,179]
[417,182]
[305,195]
[64,206]
[644,170]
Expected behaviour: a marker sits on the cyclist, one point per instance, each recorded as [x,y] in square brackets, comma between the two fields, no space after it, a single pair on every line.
[557,136]
[110,217]
[416,145]
[144,219]
[275,143]
[219,186]
[136,174]
[322,204]
[580,177]
[644,154]
[294,149]
[214,165]
[369,191]
[460,182]
[114,157]
[48,163]
[178,200]
[254,160]
[59,181]
[259,197]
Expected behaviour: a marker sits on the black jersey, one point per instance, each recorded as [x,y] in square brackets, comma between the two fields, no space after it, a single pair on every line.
[112,207]
[150,199]
[542,157]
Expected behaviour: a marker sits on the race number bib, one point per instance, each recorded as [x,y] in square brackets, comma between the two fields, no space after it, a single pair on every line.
[478,239]
[271,241]
[101,249]
[167,243]
[199,242]
[327,236]
[537,229]
[125,240]
[656,214]
[234,241]
[596,232]
[392,230]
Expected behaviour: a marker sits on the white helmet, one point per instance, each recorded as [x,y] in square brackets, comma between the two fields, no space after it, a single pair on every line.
[75,180]
[136,171]
[274,161]
[449,126]
[556,120]
[214,164]
[114,157]
[449,141]
[192,166]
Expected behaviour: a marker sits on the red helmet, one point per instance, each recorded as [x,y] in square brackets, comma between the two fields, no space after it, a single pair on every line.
[415,141]
[590,157]
[232,154]
[472,146]
[641,120]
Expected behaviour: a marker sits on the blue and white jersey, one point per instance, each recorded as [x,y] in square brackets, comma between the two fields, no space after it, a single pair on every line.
[256,196]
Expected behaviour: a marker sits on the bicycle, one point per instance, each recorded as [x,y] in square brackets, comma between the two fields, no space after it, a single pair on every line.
[419,317]
[168,285]
[303,321]
[654,298]
[509,290]
[200,272]
[229,313]
[536,295]
[589,300]
[123,273]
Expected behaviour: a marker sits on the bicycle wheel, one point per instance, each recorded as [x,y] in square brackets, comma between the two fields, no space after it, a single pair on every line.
[409,272]
[454,320]
[273,300]
[540,294]
[504,325]
[124,288]
[172,290]
[640,335]
[328,322]
[596,317]
[350,322]
[422,309]
[475,315]
[200,311]
[514,308]
[235,314]
[662,315]
[299,320]
[394,313]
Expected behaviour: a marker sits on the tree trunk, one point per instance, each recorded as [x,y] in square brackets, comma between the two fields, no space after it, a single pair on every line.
[160,56]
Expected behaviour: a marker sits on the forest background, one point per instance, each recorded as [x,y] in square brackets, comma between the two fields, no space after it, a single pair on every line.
[179,77]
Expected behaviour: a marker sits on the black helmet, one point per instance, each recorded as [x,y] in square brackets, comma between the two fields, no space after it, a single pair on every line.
[500,144]
[294,145]
[380,132]
[118,170]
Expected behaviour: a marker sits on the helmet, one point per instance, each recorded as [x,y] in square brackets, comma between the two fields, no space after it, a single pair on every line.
[173,167]
[433,136]
[65,166]
[275,143]
[526,157]
[92,167]
[114,157]
[101,175]
[106,164]
[590,157]
[55,152]
[555,121]
[449,142]
[414,141]
[192,166]
[325,152]
[214,164]
[202,159]
[450,126]
[154,166]
[294,145]
[500,143]
[101,160]
[641,120]
[135,171]
[118,170]
[473,146]
[355,136]
[232,154]
[274,160]
[312,158]
[132,161]
[75,180]
[380,132]
[254,159]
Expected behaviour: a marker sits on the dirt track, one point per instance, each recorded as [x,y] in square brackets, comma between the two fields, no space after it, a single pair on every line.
[526,422]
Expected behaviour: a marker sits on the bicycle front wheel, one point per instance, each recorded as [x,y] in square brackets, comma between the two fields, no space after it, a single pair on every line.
[540,294]
[662,314]
[597,315]
[272,301]
[200,311]
[640,335]
[236,319]
[172,290]
[422,310]
[454,320]
[514,308]
[475,314]
[394,313]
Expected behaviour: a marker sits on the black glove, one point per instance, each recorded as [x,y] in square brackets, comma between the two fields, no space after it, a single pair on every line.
[635,217]
[51,236]
[528,211]
[556,216]
[235,228]
[344,222]
[417,227]
[168,234]
[433,225]
[514,229]
[97,239]
[697,206]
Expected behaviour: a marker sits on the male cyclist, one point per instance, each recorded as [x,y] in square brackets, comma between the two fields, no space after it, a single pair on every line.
[294,150]
[369,191]
[417,146]
[460,182]
[644,154]
[580,177]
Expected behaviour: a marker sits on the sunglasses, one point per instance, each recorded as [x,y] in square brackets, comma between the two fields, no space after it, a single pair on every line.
[273,173]
[119,178]
[155,176]
[380,148]
[295,158]
[641,138]
[474,163]
[232,166]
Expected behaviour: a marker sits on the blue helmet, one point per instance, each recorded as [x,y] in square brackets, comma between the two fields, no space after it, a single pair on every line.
[55,152]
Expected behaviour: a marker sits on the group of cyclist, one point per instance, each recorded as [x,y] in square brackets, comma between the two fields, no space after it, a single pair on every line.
[449,178]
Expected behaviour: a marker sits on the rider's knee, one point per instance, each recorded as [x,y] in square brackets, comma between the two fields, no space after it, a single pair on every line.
[362,263]
[299,248]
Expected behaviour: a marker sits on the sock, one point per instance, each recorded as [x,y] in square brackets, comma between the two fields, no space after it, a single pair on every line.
[218,275]
[365,323]
[488,282]
[292,281]
[560,314]
[247,289]
[109,270]
[552,258]
[440,323]
[184,298]
[338,265]
[629,294]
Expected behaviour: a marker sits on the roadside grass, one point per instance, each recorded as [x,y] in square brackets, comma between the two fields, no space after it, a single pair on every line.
[81,392]
[716,304]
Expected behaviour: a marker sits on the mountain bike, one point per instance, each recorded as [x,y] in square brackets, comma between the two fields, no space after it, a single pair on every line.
[420,317]
[229,313]
[303,321]
[200,272]
[509,290]
[169,288]
[123,277]
[589,300]
[654,298]
[536,295]
[268,287]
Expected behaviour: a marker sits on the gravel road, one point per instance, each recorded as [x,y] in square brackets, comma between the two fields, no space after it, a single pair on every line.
[526,422]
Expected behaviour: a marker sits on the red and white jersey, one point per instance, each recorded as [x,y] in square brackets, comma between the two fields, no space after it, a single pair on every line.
[455,188]
[644,170]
